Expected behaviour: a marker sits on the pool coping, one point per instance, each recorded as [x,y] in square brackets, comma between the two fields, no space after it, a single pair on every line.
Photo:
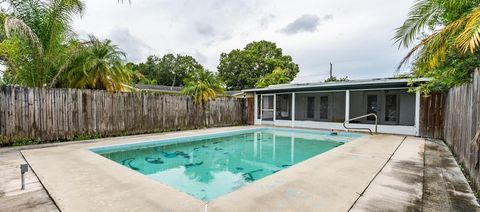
[193,138]
[49,163]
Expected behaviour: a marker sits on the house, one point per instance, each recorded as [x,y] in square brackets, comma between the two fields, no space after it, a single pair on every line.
[329,105]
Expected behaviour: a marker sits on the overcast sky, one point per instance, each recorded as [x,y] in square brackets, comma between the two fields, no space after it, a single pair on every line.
[354,35]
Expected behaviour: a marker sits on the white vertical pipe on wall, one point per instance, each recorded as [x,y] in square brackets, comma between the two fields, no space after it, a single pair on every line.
[417,113]
[347,105]
[293,110]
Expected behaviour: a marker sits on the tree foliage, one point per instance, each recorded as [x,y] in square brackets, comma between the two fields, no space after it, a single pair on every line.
[203,86]
[38,48]
[242,69]
[36,38]
[138,77]
[336,79]
[170,69]
[98,65]
[448,35]
[278,76]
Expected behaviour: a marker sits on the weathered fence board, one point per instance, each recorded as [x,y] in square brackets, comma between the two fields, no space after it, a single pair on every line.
[59,114]
[462,125]
[432,115]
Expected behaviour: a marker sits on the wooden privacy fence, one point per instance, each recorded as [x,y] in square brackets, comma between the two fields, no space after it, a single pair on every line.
[44,114]
[462,125]
[432,111]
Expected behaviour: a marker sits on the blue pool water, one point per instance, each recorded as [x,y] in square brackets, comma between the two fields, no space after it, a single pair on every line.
[212,165]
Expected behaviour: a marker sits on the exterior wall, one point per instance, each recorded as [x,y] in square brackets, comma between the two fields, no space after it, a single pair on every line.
[388,129]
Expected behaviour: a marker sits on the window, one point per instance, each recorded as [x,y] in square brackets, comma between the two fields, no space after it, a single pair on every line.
[324,107]
[310,107]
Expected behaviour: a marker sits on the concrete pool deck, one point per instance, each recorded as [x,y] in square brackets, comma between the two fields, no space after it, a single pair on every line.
[350,177]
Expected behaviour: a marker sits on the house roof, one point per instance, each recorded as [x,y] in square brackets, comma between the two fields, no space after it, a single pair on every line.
[170,89]
[160,88]
[233,93]
[342,85]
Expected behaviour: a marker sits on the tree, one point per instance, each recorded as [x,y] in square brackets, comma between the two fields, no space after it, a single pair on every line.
[170,69]
[99,65]
[335,79]
[203,86]
[449,34]
[278,76]
[242,69]
[35,41]
[138,77]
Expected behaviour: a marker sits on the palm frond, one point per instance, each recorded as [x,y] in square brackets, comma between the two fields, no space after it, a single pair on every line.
[203,86]
[419,17]
[99,66]
[469,39]
[426,15]
[13,24]
[432,50]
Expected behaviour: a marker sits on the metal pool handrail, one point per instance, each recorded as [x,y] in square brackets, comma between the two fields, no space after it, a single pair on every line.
[362,128]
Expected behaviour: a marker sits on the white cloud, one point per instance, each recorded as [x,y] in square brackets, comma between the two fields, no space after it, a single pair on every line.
[135,48]
[205,29]
[354,35]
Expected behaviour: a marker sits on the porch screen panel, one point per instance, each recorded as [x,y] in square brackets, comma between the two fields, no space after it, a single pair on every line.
[324,107]
[372,106]
[267,108]
[393,107]
[311,107]
[320,106]
[259,107]
[284,107]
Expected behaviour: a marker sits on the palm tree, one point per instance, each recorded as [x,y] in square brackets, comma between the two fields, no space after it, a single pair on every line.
[36,40]
[203,86]
[449,26]
[98,65]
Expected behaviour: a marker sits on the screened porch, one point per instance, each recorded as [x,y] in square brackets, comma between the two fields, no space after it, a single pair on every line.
[396,109]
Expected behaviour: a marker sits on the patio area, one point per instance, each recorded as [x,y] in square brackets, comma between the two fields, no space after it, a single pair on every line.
[378,172]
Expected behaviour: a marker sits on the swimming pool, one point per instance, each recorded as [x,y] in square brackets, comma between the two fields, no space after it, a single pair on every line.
[211,165]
